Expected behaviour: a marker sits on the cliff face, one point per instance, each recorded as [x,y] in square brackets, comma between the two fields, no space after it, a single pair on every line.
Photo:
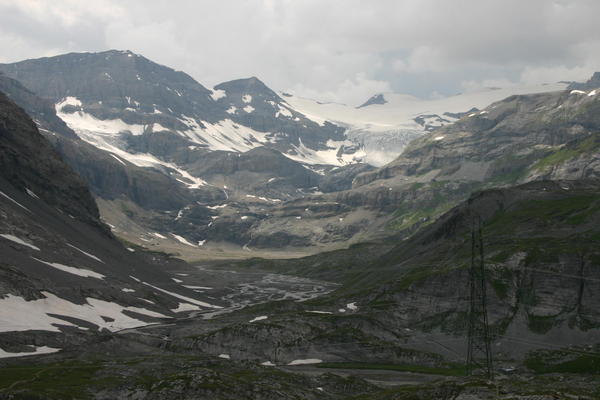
[28,161]
[63,276]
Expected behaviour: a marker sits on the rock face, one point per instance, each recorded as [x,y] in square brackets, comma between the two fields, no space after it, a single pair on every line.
[63,275]
[592,83]
[152,141]
[375,99]
[503,139]
[107,176]
[519,139]
[28,161]
[542,283]
[131,93]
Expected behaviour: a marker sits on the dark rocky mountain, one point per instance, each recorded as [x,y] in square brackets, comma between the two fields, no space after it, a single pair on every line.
[147,98]
[150,141]
[541,256]
[28,161]
[107,177]
[105,81]
[251,103]
[64,276]
[592,83]
[520,139]
[375,99]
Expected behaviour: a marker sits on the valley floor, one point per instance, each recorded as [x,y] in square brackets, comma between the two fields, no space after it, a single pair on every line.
[160,362]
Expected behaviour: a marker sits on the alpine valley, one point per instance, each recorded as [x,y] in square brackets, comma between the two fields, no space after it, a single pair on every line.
[161,240]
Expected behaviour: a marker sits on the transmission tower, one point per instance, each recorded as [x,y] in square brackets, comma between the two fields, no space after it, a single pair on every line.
[479,353]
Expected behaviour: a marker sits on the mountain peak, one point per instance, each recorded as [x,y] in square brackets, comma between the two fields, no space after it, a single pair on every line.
[248,84]
[592,83]
[375,99]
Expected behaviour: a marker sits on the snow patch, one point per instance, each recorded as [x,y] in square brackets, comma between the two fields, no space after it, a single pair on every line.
[118,159]
[37,351]
[69,101]
[218,94]
[181,297]
[261,318]
[225,356]
[30,192]
[87,254]
[14,201]
[185,307]
[352,306]
[156,127]
[183,240]
[306,361]
[196,287]
[247,98]
[217,207]
[283,111]
[248,109]
[19,241]
[309,156]
[18,314]
[81,121]
[86,273]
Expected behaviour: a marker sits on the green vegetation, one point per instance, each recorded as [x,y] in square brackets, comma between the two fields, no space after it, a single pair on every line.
[568,152]
[545,362]
[541,325]
[423,216]
[67,380]
[570,208]
[446,370]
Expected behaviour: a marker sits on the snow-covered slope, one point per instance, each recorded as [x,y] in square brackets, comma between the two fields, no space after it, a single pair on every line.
[384,126]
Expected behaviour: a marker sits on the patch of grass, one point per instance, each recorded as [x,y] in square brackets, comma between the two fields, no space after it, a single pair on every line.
[447,370]
[539,324]
[574,210]
[500,287]
[568,152]
[68,380]
[563,362]
[555,158]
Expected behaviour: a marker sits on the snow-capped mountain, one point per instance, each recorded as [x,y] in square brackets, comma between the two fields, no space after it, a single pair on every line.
[177,165]
[387,122]
[120,101]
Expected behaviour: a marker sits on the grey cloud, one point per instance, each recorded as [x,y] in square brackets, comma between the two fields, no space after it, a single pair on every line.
[337,50]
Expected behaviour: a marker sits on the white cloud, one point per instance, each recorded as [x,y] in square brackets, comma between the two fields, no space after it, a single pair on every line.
[353,91]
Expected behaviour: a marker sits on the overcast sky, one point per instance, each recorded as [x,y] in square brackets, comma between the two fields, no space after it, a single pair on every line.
[332,50]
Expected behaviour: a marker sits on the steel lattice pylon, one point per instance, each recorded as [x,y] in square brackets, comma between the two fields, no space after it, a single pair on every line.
[479,353]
